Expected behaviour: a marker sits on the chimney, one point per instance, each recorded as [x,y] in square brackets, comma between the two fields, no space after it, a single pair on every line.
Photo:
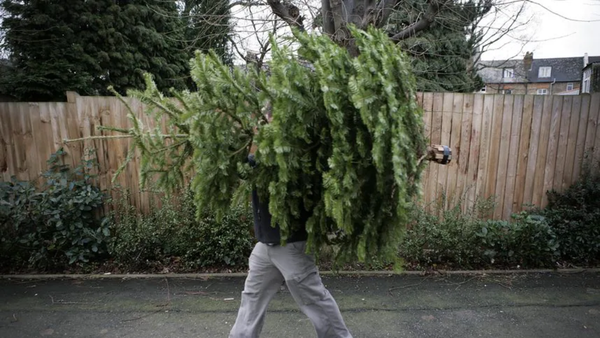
[586,60]
[528,61]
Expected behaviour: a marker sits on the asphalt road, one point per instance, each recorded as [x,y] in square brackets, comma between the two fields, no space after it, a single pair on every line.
[522,305]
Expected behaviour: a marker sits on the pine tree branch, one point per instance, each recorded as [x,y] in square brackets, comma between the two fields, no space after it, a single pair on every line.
[113,137]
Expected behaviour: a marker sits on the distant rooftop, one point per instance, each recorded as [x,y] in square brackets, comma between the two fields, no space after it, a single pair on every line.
[561,70]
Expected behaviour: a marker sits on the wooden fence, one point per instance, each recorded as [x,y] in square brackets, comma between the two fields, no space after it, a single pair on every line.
[513,147]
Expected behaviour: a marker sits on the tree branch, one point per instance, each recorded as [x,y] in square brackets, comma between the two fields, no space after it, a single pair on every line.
[288,13]
[384,9]
[428,18]
[327,15]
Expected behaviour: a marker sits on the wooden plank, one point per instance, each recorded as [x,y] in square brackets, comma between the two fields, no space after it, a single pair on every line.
[590,136]
[55,109]
[145,196]
[110,117]
[572,137]
[4,175]
[436,138]
[38,139]
[73,131]
[32,161]
[61,110]
[523,153]
[88,150]
[581,134]
[8,141]
[542,152]
[95,114]
[427,106]
[563,141]
[552,147]
[453,195]
[503,154]
[475,150]
[442,190]
[45,149]
[18,131]
[494,148]
[132,170]
[55,129]
[595,109]
[11,140]
[486,136]
[462,184]
[513,157]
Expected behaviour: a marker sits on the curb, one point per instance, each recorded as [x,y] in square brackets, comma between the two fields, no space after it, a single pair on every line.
[323,273]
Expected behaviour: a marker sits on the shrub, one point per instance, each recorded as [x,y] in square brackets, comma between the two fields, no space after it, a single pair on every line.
[175,232]
[574,215]
[56,224]
[468,239]
[444,237]
[526,241]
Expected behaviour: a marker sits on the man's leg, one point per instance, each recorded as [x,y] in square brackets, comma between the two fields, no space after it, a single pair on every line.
[305,285]
[261,285]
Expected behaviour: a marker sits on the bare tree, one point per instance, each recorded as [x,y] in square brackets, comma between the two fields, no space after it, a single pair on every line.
[332,17]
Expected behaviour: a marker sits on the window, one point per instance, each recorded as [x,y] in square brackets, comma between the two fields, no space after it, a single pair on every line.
[586,86]
[483,90]
[570,86]
[507,91]
[508,73]
[542,91]
[545,72]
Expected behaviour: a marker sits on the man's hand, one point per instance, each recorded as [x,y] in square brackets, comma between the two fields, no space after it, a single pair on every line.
[439,154]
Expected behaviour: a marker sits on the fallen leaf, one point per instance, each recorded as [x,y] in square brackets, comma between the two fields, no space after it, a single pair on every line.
[594,312]
[428,318]
[103,331]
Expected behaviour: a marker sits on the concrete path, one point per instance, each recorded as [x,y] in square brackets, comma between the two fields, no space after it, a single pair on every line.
[524,305]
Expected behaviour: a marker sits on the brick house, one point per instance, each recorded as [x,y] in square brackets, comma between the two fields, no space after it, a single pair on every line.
[554,76]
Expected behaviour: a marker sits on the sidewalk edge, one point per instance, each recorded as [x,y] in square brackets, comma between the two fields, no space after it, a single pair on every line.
[323,273]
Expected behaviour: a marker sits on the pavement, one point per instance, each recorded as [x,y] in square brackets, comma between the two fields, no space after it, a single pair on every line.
[549,305]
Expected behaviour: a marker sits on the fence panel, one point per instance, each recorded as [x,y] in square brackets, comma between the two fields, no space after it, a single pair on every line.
[513,148]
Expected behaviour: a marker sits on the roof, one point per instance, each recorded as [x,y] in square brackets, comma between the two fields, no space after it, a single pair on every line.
[492,71]
[562,70]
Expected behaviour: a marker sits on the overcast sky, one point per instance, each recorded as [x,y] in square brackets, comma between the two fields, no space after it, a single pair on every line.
[554,36]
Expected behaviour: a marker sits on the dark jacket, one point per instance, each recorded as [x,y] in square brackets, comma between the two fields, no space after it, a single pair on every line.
[263,231]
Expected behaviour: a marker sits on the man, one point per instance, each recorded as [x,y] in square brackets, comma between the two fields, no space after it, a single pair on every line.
[270,265]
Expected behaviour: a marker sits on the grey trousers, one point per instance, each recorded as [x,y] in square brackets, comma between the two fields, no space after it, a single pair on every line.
[269,267]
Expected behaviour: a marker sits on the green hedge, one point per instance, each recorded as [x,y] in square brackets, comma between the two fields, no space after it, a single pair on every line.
[54,225]
[177,237]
